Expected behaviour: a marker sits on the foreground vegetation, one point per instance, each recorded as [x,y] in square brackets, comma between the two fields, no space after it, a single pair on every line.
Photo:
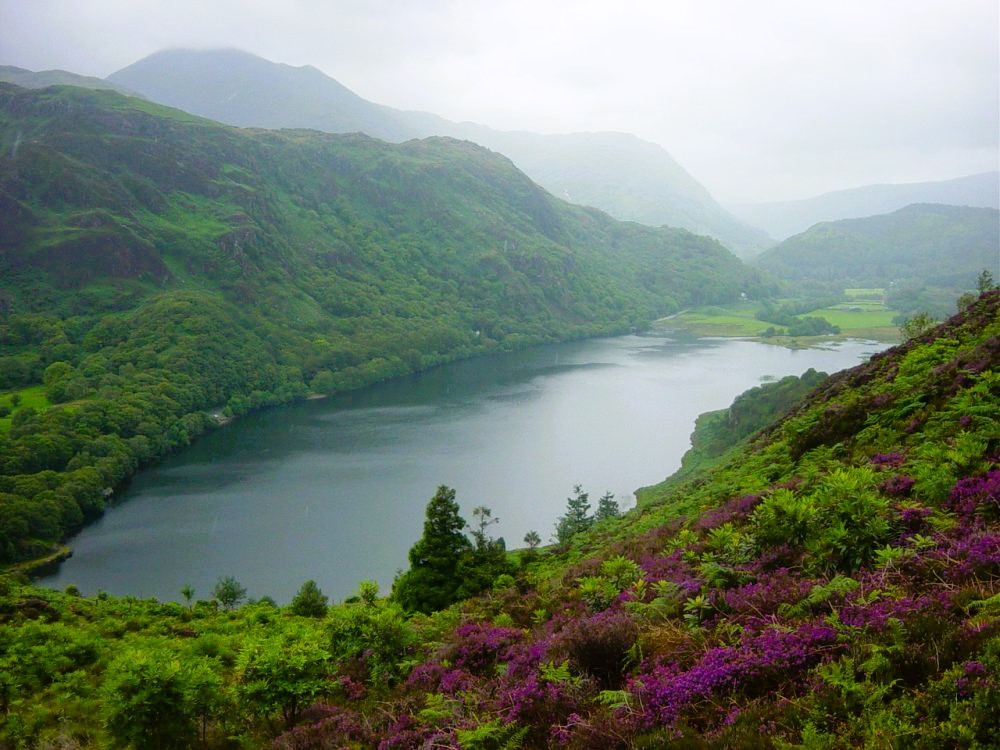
[833,583]
[162,272]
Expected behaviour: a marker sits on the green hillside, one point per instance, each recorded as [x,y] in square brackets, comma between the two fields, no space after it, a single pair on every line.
[158,267]
[922,244]
[632,179]
[30,79]
[834,583]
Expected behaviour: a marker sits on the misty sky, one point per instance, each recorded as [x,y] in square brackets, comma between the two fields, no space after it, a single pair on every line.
[763,100]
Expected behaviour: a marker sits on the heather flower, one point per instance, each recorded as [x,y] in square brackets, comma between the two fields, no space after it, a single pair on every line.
[758,661]
[883,399]
[482,645]
[438,678]
[973,677]
[887,459]
[977,495]
[598,645]
[734,511]
[324,727]
[763,598]
[898,485]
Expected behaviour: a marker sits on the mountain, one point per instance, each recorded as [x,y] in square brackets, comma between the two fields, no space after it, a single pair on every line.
[241,89]
[783,219]
[936,245]
[158,266]
[631,179]
[833,582]
[31,80]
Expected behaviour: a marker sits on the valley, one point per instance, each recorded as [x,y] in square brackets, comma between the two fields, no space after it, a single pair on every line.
[325,417]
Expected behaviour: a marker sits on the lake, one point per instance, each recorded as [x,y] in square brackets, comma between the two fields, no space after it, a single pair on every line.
[335,489]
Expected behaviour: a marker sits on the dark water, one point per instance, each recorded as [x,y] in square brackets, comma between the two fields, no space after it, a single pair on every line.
[335,489]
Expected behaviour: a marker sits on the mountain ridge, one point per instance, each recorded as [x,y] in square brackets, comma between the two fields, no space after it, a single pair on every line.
[783,219]
[196,71]
[35,80]
[923,244]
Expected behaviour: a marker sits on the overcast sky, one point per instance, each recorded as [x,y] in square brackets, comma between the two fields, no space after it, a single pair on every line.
[762,100]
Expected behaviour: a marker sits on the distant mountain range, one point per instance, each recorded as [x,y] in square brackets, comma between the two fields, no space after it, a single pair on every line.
[785,218]
[631,179]
[930,244]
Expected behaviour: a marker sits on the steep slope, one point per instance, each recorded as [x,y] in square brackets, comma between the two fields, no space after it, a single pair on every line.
[833,584]
[937,245]
[157,265]
[784,218]
[631,179]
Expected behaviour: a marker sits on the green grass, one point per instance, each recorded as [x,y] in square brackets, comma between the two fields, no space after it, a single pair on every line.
[33,396]
[862,317]
[728,320]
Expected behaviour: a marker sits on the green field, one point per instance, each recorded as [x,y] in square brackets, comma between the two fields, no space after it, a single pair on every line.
[728,320]
[864,316]
[858,316]
[33,397]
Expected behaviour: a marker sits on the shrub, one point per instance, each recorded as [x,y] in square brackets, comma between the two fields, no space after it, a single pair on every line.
[599,646]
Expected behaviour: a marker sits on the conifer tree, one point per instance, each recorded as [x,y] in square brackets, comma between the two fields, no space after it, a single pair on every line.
[432,582]
[577,516]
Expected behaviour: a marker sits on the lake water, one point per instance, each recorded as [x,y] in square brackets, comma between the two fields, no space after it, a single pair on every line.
[335,489]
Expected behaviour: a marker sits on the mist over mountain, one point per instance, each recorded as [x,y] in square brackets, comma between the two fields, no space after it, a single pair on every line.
[782,219]
[631,179]
[922,244]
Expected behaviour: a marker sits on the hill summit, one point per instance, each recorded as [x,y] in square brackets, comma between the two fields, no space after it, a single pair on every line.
[631,179]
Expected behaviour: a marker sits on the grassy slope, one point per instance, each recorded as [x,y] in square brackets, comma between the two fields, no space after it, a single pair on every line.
[833,584]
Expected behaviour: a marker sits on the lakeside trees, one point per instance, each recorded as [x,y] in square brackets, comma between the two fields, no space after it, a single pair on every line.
[444,565]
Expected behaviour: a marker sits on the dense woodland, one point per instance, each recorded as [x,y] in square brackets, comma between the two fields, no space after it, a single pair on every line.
[160,268]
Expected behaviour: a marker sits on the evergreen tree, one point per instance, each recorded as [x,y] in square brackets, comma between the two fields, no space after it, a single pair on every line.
[310,601]
[577,516]
[607,507]
[432,582]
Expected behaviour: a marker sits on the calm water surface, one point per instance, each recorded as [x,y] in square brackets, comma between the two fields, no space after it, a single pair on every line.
[335,489]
